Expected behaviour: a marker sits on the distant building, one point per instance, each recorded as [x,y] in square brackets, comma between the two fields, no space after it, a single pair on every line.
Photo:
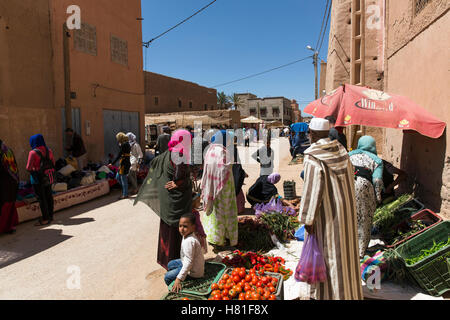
[267,109]
[164,94]
[107,86]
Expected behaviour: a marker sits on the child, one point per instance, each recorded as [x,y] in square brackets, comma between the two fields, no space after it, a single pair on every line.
[192,261]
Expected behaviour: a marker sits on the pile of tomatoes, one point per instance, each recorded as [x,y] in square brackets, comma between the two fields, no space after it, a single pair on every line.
[241,285]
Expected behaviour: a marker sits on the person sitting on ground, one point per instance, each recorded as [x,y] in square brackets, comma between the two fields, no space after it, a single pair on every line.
[192,262]
[263,190]
[336,133]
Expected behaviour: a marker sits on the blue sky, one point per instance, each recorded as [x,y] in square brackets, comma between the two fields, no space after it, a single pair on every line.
[232,39]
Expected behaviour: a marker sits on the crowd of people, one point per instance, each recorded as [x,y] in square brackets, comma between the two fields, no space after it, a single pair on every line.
[340,194]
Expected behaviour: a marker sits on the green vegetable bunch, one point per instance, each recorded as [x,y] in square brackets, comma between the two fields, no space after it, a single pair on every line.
[280,224]
[388,215]
[428,252]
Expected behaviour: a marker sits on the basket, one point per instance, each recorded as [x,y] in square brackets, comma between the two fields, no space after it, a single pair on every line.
[289,190]
[278,292]
[431,273]
[425,215]
[202,286]
[179,296]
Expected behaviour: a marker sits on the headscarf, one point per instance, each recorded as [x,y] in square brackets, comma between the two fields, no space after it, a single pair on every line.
[121,137]
[367,145]
[8,161]
[180,142]
[274,178]
[131,137]
[220,137]
[37,141]
[216,173]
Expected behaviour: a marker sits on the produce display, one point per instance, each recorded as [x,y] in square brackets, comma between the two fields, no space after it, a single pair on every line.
[242,284]
[281,221]
[258,262]
[253,235]
[425,253]
[389,215]
[412,227]
[180,296]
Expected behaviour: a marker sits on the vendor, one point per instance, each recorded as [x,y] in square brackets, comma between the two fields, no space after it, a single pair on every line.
[263,190]
[389,170]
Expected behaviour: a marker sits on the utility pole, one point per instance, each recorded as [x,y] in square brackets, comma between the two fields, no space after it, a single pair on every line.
[67,98]
[316,72]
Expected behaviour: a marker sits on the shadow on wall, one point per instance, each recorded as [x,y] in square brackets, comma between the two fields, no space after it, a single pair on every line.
[423,159]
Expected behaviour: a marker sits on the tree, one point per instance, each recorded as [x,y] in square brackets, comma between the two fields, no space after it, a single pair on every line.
[236,101]
[222,100]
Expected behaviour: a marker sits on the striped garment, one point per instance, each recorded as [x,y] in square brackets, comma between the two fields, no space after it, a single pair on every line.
[328,204]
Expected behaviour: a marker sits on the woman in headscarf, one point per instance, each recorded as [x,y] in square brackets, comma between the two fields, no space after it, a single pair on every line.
[219,195]
[167,190]
[368,187]
[9,186]
[136,157]
[263,190]
[124,164]
[44,193]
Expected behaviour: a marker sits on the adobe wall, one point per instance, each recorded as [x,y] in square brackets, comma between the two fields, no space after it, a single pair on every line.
[168,90]
[417,67]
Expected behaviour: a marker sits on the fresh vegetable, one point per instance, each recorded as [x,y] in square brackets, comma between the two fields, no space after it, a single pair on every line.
[258,262]
[389,215]
[427,252]
[413,226]
[253,235]
[250,287]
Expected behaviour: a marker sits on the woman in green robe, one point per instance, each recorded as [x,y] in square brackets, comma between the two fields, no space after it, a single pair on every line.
[167,190]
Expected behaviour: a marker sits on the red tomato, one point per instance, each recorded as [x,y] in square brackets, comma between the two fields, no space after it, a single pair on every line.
[214,286]
[232,293]
[273,283]
[225,292]
[247,287]
[256,296]
[248,278]
[226,276]
[275,280]
[211,298]
[221,286]
[242,274]
[238,289]
[236,279]
[185,298]
[254,281]
[266,295]
[272,297]
[214,292]
[259,284]
[248,296]
[252,271]
[272,289]
[228,285]
[260,291]
[222,281]
[241,296]
[265,280]
[225,298]
[217,297]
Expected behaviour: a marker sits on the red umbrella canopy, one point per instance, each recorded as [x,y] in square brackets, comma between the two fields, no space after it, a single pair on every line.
[356,105]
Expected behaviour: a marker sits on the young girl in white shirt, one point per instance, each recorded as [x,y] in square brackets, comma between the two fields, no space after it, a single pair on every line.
[192,262]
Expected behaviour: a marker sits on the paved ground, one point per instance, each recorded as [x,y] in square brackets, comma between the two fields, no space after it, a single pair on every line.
[103,249]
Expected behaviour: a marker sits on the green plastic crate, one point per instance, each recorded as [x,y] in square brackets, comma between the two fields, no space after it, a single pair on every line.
[202,286]
[179,296]
[431,273]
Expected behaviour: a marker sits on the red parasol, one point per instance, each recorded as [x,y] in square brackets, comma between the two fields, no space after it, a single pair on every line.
[356,105]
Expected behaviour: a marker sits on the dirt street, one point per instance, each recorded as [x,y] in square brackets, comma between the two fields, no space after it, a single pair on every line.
[103,249]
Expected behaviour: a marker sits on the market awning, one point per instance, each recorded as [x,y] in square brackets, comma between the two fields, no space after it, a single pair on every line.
[356,105]
[252,119]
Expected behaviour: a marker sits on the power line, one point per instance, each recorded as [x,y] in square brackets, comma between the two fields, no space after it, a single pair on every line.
[260,73]
[147,44]
[326,24]
[323,22]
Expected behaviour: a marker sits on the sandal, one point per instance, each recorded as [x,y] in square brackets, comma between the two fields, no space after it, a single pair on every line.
[40,223]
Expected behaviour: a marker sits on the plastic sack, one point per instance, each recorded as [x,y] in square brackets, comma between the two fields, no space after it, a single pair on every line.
[67,170]
[311,266]
[300,233]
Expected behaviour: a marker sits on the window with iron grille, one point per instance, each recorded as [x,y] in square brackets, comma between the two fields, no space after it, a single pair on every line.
[85,39]
[419,5]
[119,50]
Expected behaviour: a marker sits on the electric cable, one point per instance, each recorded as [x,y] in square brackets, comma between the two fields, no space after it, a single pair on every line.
[147,44]
[260,73]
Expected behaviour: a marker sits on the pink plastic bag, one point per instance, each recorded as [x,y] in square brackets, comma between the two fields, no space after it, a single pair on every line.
[311,266]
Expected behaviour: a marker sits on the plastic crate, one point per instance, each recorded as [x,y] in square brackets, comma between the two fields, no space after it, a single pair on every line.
[202,286]
[425,215]
[432,273]
[413,204]
[279,289]
[179,296]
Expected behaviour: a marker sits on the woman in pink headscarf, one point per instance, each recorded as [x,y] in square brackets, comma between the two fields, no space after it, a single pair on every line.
[168,191]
